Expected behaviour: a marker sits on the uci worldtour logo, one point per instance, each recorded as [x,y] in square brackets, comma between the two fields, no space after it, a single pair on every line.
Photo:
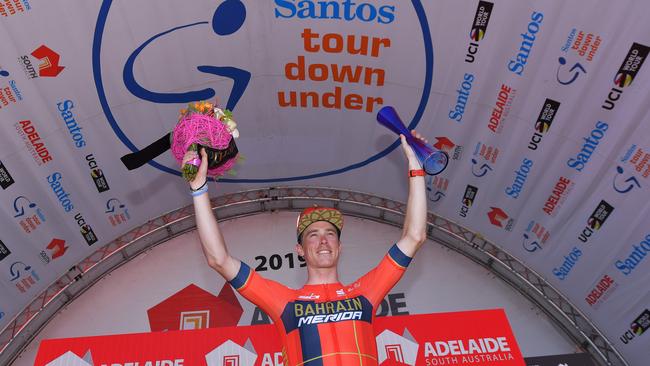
[479,28]
[4,251]
[85,229]
[639,326]
[5,178]
[223,27]
[97,174]
[544,121]
[626,73]
[468,200]
[596,220]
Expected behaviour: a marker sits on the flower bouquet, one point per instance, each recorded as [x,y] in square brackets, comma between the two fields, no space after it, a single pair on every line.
[204,125]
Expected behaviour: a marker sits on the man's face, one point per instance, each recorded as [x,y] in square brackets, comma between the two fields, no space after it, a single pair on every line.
[320,245]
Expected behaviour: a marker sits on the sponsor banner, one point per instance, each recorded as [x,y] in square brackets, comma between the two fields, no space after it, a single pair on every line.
[29,215]
[572,359]
[35,145]
[117,213]
[461,338]
[517,64]
[535,237]
[602,290]
[23,276]
[636,328]
[4,251]
[5,177]
[55,249]
[577,52]
[540,108]
[43,58]
[14,7]
[632,170]
[626,74]
[9,91]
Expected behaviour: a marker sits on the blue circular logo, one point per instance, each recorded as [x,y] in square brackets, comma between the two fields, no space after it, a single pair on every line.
[227,19]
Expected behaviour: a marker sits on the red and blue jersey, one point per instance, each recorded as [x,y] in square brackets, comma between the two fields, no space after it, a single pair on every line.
[328,324]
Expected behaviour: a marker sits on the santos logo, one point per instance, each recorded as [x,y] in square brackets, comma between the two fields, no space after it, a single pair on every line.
[346,10]
[463,97]
[521,175]
[519,63]
[569,262]
[55,181]
[635,258]
[589,147]
[65,110]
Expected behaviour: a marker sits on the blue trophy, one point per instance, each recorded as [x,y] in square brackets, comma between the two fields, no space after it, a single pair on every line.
[433,161]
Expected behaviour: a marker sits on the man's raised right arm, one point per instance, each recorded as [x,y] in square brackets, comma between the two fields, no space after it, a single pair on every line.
[212,241]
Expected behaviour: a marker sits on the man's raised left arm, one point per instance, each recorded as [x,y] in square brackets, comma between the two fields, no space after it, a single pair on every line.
[414,231]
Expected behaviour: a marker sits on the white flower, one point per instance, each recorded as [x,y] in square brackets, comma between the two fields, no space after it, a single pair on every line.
[218,113]
[235,133]
[232,125]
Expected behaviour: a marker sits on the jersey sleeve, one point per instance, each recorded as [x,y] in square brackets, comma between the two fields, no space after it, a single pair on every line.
[268,295]
[382,278]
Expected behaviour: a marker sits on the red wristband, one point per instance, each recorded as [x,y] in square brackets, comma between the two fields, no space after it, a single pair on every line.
[416,173]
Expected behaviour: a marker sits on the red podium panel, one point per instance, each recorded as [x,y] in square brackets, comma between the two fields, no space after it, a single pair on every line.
[460,338]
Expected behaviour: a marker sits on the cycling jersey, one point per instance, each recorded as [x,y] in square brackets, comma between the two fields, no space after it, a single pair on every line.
[328,324]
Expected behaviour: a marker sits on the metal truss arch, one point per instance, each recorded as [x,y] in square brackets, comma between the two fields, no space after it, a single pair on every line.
[15,337]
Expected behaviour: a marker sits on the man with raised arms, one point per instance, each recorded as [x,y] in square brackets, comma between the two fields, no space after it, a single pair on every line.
[324,322]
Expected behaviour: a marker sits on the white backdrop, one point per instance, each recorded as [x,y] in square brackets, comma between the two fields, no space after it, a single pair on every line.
[438,280]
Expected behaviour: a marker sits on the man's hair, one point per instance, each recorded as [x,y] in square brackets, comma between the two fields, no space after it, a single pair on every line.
[314,214]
